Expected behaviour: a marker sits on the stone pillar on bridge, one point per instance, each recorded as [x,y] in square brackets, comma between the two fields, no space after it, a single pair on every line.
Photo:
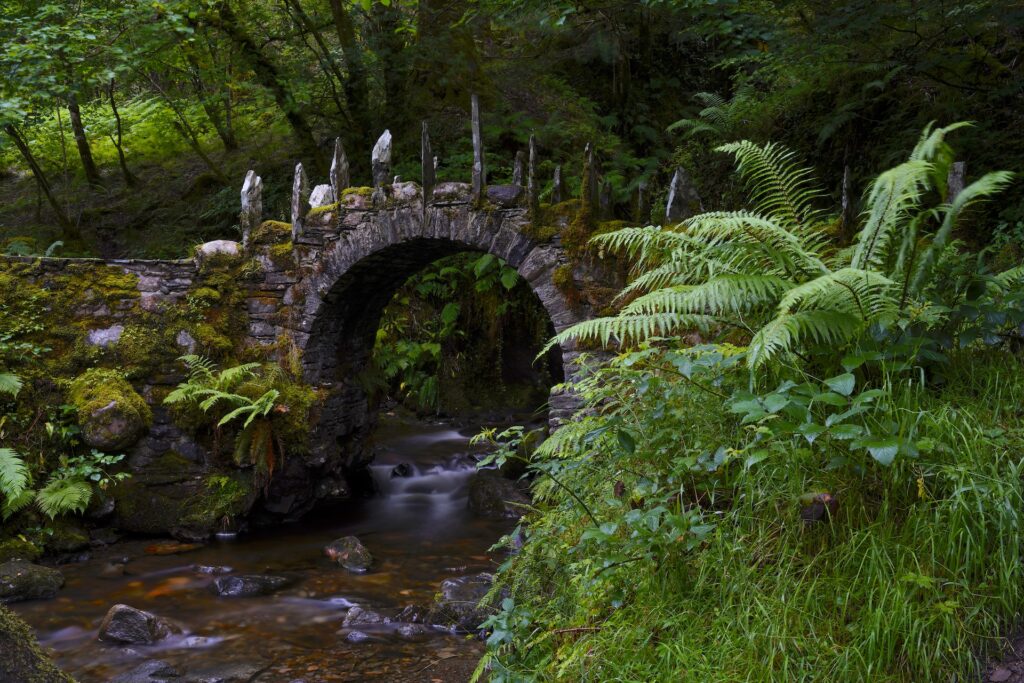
[300,197]
[252,205]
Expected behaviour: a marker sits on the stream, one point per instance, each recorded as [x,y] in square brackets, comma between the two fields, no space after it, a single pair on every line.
[419,531]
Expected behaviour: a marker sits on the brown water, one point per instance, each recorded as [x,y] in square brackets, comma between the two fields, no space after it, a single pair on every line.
[420,532]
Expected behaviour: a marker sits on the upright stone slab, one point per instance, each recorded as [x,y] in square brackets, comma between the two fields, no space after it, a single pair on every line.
[479,171]
[381,160]
[300,197]
[557,191]
[428,162]
[643,203]
[518,168]
[252,205]
[683,200]
[606,199]
[589,188]
[532,191]
[340,178]
[956,180]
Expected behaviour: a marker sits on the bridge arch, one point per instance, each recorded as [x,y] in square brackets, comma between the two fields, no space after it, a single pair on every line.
[354,263]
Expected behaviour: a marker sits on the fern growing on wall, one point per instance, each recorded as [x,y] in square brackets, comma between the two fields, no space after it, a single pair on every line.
[772,272]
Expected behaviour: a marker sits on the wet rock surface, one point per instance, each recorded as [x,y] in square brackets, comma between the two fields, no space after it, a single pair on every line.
[492,496]
[249,585]
[153,671]
[21,580]
[350,553]
[358,616]
[458,605]
[128,625]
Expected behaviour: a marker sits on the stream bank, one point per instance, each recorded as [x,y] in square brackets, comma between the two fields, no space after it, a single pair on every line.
[325,623]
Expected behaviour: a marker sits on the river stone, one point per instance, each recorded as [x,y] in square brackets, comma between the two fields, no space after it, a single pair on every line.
[350,553]
[505,195]
[23,659]
[249,585]
[401,470]
[357,616]
[357,637]
[105,336]
[459,606]
[492,496]
[152,671]
[21,580]
[413,630]
[125,624]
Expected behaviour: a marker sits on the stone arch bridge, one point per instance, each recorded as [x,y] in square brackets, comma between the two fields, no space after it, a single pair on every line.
[317,286]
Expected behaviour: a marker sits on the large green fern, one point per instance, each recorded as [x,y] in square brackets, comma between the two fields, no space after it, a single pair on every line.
[772,272]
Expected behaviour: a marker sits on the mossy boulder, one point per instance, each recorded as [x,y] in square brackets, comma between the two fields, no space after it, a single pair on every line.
[23,660]
[19,549]
[111,414]
[21,580]
[66,537]
[181,501]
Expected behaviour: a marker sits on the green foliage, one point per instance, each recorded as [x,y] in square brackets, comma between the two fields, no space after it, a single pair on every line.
[771,272]
[254,398]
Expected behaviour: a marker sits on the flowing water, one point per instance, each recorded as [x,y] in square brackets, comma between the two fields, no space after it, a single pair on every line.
[419,531]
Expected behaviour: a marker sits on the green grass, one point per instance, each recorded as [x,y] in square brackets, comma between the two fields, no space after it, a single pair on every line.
[915,579]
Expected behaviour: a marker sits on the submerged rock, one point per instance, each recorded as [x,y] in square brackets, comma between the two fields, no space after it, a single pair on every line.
[23,659]
[357,637]
[125,624]
[21,580]
[492,496]
[350,553]
[401,470]
[249,585]
[413,630]
[458,605]
[153,671]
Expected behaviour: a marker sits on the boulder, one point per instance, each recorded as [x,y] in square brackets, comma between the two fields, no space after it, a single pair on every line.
[21,580]
[322,195]
[23,659]
[217,249]
[125,624]
[505,196]
[350,553]
[111,414]
[458,604]
[357,616]
[492,496]
[249,585]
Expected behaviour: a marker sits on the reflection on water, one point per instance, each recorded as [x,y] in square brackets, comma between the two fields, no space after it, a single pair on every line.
[419,531]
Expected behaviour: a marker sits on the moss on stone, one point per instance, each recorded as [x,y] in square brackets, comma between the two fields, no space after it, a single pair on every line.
[23,660]
[222,497]
[271,232]
[564,280]
[112,415]
[281,254]
[361,191]
[19,549]
[321,210]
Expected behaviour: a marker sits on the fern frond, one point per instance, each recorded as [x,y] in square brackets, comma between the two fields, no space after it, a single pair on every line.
[721,295]
[10,383]
[929,144]
[788,330]
[63,494]
[787,251]
[628,329]
[14,477]
[979,190]
[865,293]
[1008,278]
[893,195]
[15,503]
[780,187]
[229,378]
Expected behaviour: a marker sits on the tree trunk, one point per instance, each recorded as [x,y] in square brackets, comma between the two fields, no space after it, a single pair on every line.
[185,130]
[389,46]
[70,231]
[210,107]
[325,56]
[92,174]
[129,179]
[356,88]
[273,80]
